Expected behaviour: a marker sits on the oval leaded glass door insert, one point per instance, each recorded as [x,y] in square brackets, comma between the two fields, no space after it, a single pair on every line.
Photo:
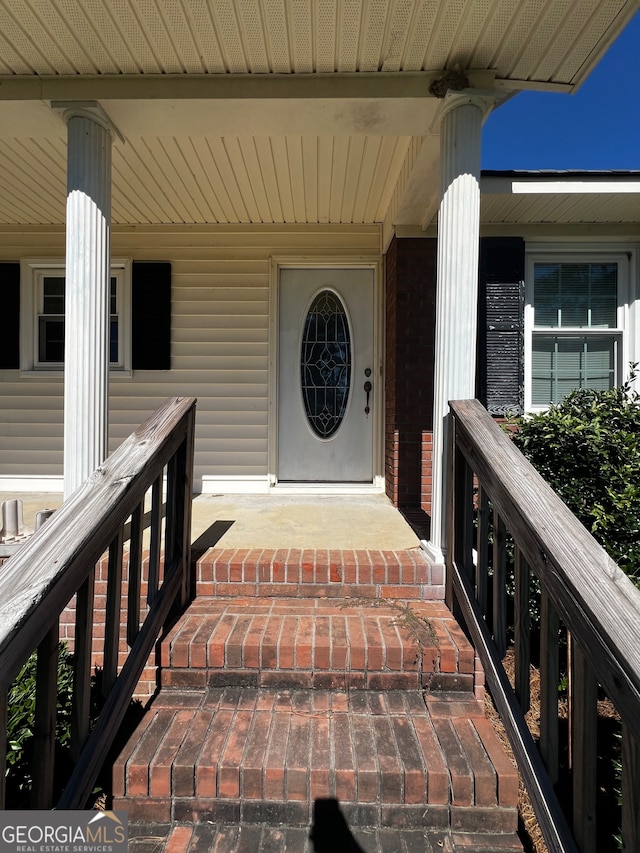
[325,363]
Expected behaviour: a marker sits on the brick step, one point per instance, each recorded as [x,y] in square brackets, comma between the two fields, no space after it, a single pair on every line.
[246,756]
[323,643]
[328,832]
[291,572]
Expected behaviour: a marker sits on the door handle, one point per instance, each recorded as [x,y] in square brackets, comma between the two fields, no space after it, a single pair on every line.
[367,388]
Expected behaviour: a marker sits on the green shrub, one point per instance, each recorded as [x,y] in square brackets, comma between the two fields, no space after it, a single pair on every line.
[20,722]
[588,449]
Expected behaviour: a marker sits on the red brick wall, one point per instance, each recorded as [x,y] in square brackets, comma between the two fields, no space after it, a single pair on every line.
[410,330]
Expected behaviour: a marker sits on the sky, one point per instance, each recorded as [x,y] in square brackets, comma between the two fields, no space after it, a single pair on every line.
[596,128]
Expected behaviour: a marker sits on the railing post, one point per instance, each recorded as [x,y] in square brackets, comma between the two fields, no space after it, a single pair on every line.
[189,576]
[584,751]
[451,510]
[459,527]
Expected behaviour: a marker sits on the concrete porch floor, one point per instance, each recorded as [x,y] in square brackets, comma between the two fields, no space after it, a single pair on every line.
[278,521]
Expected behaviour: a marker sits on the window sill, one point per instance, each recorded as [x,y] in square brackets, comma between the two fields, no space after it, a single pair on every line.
[59,374]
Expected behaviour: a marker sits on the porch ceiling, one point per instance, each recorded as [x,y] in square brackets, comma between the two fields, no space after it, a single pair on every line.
[267,110]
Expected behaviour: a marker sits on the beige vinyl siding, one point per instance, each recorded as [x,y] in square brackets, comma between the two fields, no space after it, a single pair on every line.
[220,342]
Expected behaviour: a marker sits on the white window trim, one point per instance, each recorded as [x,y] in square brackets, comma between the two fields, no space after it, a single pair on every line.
[627,308]
[31,272]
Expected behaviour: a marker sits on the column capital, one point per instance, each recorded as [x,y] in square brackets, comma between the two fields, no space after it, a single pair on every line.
[86,109]
[483,99]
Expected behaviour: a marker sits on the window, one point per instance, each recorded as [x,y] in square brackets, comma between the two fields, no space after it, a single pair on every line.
[43,325]
[575,320]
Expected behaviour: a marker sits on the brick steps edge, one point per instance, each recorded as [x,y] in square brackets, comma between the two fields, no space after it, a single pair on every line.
[192,679]
[256,756]
[323,643]
[293,572]
[329,829]
[492,820]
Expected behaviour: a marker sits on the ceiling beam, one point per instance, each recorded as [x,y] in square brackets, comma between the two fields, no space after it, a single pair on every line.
[227,86]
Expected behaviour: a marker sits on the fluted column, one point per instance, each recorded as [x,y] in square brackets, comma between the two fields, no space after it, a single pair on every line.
[457,281]
[86,360]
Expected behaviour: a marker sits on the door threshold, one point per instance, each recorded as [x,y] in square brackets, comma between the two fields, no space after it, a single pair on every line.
[291,488]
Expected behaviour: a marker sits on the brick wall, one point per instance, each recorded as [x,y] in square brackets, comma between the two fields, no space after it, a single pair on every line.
[410,329]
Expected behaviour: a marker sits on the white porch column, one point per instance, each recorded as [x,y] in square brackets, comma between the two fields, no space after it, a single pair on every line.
[86,360]
[457,281]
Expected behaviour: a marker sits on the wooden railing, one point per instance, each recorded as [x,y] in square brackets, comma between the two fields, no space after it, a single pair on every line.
[38,583]
[583,593]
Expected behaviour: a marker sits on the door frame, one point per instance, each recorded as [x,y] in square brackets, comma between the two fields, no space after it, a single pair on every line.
[328,262]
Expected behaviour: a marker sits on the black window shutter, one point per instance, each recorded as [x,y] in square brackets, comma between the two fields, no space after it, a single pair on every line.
[501,325]
[151,315]
[10,313]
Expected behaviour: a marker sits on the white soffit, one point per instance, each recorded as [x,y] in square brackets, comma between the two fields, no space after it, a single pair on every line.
[540,41]
[596,198]
[267,110]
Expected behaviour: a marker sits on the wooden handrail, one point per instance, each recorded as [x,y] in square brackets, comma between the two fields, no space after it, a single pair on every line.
[39,581]
[597,603]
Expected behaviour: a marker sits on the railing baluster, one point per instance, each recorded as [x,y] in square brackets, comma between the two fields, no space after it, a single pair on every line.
[170,514]
[522,631]
[451,511]
[112,616]
[459,522]
[630,792]
[584,725]
[499,584]
[464,516]
[155,541]
[81,709]
[44,729]
[3,748]
[135,572]
[178,517]
[549,680]
[186,455]
[482,550]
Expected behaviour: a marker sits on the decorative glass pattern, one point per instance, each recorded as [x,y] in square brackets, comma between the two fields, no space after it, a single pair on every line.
[325,364]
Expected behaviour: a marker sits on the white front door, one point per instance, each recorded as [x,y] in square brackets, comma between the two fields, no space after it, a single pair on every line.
[326,375]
